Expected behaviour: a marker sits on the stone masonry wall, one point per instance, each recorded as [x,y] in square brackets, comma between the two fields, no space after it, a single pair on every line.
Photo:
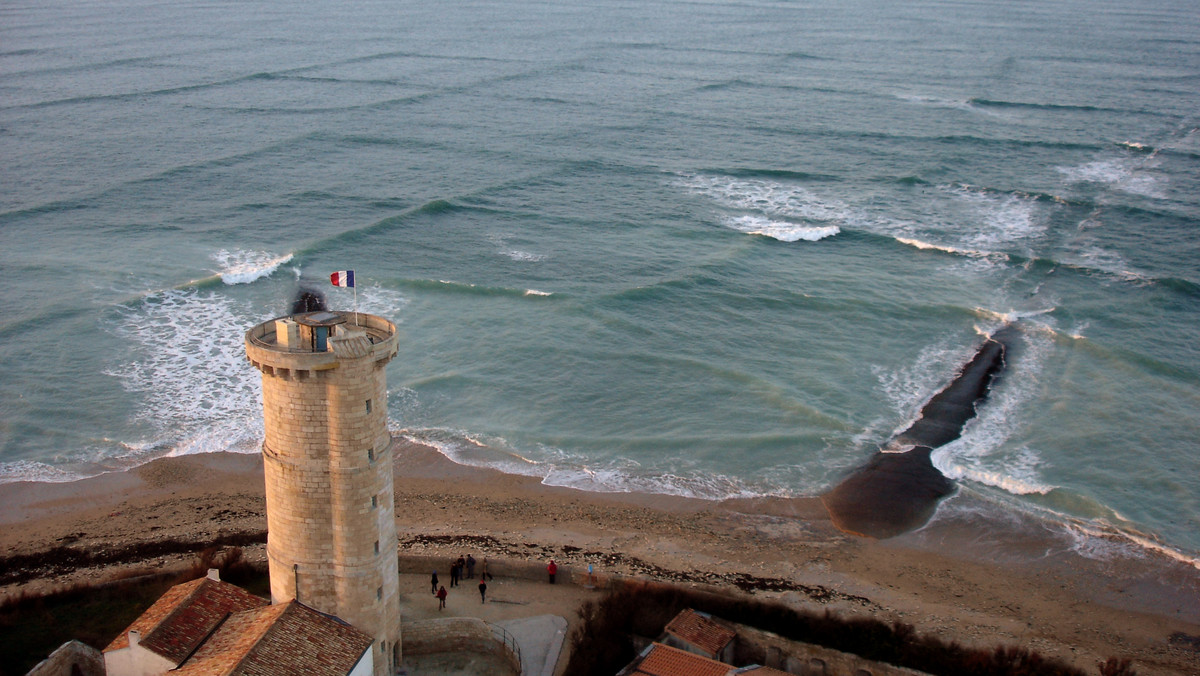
[327,457]
[455,634]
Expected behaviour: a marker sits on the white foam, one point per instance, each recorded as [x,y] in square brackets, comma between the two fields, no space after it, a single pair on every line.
[708,486]
[1003,318]
[772,198]
[195,388]
[956,104]
[1018,476]
[997,218]
[958,251]
[535,292]
[524,256]
[557,468]
[1104,542]
[244,267]
[908,388]
[980,454]
[30,470]
[784,231]
[791,212]
[384,302]
[1124,173]
[501,241]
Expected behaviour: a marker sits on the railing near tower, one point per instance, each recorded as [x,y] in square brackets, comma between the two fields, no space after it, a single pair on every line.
[507,640]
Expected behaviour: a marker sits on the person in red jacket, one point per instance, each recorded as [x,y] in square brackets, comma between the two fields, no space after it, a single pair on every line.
[441,594]
[552,569]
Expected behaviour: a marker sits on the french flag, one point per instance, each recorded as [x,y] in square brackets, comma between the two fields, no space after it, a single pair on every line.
[343,278]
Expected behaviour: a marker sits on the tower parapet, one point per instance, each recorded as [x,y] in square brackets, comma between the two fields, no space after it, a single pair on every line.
[327,459]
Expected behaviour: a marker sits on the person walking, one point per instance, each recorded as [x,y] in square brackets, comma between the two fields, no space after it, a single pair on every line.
[434,582]
[484,571]
[552,569]
[470,567]
[441,594]
[454,573]
[482,590]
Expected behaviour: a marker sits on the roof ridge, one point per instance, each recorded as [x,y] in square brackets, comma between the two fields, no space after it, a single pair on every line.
[183,603]
[261,638]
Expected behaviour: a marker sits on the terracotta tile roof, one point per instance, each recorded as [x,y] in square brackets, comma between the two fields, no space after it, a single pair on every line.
[279,640]
[663,660]
[187,613]
[700,631]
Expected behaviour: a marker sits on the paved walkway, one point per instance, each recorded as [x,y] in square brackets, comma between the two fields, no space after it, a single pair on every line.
[537,614]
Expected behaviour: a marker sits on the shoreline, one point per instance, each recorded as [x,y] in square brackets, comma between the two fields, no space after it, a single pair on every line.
[963,577]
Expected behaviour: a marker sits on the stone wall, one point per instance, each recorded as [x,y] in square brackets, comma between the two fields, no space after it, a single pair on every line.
[755,646]
[413,564]
[456,634]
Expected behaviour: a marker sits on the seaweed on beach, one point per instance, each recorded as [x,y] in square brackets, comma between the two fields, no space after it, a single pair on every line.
[64,560]
[604,641]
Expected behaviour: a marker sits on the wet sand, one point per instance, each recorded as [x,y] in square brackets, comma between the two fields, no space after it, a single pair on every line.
[961,578]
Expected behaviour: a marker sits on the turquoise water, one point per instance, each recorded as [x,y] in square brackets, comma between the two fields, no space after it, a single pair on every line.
[714,249]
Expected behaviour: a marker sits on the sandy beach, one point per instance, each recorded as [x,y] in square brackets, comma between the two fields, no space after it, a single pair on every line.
[950,579]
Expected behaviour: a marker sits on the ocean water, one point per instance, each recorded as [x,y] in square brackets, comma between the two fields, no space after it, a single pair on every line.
[706,248]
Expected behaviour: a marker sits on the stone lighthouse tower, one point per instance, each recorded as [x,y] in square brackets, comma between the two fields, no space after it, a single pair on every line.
[327,457]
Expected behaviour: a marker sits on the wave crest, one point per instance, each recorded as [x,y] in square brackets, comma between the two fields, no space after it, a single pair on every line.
[244,267]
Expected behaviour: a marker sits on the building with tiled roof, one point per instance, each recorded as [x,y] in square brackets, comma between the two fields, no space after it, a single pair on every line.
[757,670]
[214,628]
[663,660]
[699,633]
[280,640]
[175,626]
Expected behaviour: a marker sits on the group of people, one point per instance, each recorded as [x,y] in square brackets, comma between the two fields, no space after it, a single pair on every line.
[462,568]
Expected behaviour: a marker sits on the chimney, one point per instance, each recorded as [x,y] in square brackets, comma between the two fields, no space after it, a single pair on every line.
[135,637]
[214,574]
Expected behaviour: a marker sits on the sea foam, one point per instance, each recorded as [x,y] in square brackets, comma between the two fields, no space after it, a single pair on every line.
[192,382]
[783,231]
[1127,174]
[243,267]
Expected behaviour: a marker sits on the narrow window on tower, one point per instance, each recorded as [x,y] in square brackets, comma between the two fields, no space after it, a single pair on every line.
[374,501]
[377,546]
[379,593]
[368,406]
[371,454]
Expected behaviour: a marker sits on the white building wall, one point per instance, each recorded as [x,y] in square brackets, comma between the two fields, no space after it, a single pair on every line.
[365,666]
[135,660]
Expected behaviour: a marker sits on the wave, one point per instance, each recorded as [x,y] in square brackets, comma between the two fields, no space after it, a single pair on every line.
[783,231]
[970,253]
[792,212]
[244,267]
[967,105]
[778,174]
[998,224]
[1124,174]
[30,470]
[137,95]
[467,289]
[555,467]
[993,103]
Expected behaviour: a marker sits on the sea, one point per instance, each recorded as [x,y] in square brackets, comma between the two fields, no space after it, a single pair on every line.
[715,248]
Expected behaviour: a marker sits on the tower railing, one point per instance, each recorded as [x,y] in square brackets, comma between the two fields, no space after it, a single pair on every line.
[507,640]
